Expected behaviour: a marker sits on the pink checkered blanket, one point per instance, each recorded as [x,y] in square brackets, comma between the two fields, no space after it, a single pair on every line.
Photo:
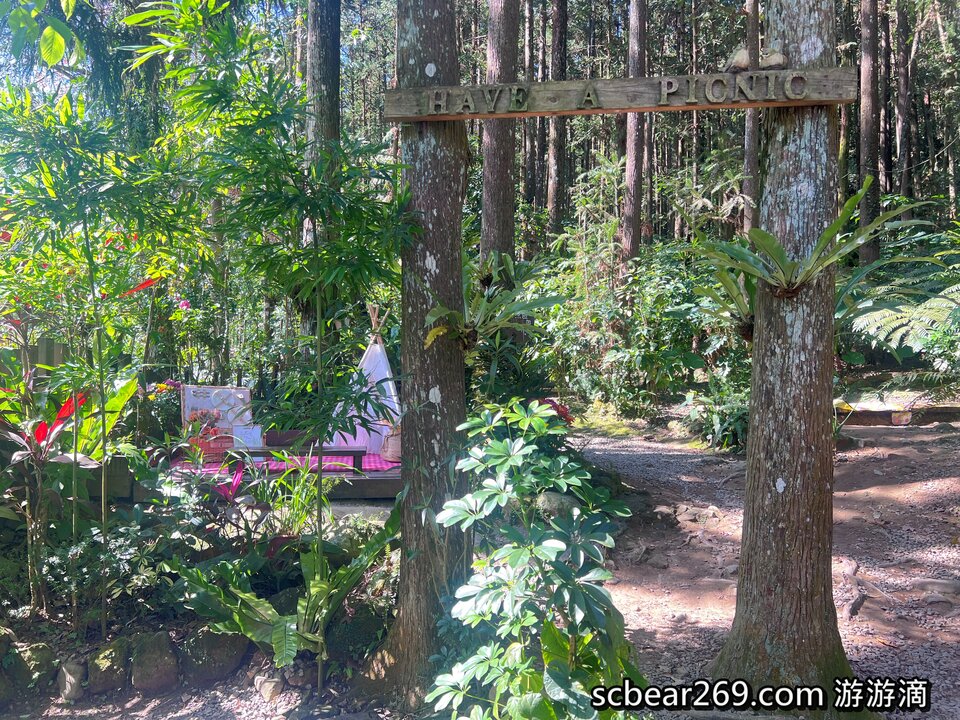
[331,463]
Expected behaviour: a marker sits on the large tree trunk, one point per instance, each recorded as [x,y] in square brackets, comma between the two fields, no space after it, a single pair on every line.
[632,224]
[434,561]
[785,627]
[323,70]
[751,125]
[557,154]
[499,191]
[869,123]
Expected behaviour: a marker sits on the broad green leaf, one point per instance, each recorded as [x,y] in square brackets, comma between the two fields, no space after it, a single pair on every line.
[284,640]
[530,706]
[52,46]
[68,7]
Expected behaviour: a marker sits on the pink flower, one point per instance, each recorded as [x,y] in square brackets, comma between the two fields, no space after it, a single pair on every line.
[184,304]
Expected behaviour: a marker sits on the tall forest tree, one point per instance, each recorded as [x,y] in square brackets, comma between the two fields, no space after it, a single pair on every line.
[499,153]
[434,561]
[751,123]
[785,627]
[904,103]
[557,144]
[323,70]
[869,122]
[632,226]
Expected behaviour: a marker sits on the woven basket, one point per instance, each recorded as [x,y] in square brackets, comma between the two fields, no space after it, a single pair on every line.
[214,445]
[390,451]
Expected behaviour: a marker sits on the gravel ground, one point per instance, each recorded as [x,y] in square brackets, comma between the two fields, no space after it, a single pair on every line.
[897,514]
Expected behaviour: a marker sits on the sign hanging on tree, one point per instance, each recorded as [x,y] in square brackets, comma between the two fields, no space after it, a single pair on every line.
[772,88]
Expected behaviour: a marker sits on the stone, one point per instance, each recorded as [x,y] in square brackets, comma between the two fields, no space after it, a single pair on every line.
[658,561]
[107,667]
[554,504]
[33,665]
[350,638]
[326,711]
[206,656]
[300,674]
[153,664]
[268,687]
[949,587]
[70,680]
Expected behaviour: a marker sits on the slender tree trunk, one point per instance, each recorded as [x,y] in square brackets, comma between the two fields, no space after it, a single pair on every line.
[323,71]
[499,157]
[869,123]
[434,561]
[886,140]
[632,223]
[646,228]
[904,161]
[542,123]
[785,627]
[530,124]
[751,125]
[694,69]
[557,160]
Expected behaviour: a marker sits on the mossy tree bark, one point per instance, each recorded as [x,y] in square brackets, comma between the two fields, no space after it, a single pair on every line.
[434,561]
[785,629]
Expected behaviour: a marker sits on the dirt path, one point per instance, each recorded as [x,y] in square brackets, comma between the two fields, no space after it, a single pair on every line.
[897,513]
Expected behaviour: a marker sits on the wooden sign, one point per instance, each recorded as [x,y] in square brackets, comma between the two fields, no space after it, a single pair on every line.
[771,88]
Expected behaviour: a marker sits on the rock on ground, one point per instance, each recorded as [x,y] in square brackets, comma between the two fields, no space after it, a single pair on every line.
[153,664]
[206,656]
[107,667]
[70,680]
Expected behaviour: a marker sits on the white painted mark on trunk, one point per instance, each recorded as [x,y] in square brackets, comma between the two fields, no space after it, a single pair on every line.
[781,485]
[430,69]
[434,395]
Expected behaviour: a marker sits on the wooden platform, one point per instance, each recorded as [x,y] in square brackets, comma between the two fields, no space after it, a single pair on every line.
[374,486]
[897,408]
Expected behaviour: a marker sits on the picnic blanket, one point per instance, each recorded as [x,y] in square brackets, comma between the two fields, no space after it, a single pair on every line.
[331,463]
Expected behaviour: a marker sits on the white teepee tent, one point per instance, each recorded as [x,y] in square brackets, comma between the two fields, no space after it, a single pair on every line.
[379,377]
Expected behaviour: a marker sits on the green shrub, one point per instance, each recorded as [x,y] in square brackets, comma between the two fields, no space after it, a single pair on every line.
[720,415]
[539,582]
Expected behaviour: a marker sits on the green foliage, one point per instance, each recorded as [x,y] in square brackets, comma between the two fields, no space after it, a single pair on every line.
[25,20]
[133,562]
[222,592]
[720,414]
[637,342]
[539,585]
[786,276]
[498,326]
